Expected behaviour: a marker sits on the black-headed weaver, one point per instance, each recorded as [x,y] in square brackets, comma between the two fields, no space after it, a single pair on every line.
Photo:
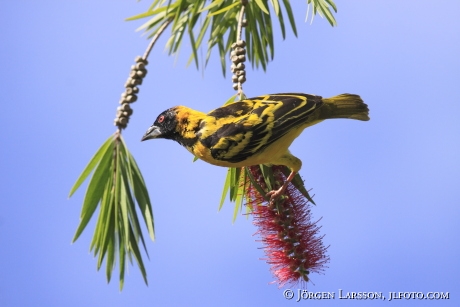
[253,131]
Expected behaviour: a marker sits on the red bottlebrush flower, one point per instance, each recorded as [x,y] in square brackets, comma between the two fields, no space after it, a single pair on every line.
[291,240]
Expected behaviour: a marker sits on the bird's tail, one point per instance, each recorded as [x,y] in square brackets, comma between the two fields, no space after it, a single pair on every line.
[344,106]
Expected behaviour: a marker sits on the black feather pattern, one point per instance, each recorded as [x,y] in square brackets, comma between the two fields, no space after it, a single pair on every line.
[289,110]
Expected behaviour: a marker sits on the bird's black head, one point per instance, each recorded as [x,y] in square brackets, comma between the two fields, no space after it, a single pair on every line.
[164,126]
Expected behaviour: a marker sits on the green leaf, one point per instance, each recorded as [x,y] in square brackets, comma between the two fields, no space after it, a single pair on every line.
[221,15]
[234,182]
[152,22]
[231,99]
[267,173]
[262,6]
[224,9]
[141,194]
[155,3]
[194,48]
[125,202]
[110,257]
[96,189]
[212,5]
[137,256]
[276,6]
[281,21]
[238,203]
[323,9]
[92,164]
[298,183]
[107,227]
[240,187]
[106,202]
[122,256]
[104,230]
[288,8]
[256,185]
[332,4]
[226,187]
[150,13]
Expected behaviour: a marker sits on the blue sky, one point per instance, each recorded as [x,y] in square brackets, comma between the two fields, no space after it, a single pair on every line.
[387,189]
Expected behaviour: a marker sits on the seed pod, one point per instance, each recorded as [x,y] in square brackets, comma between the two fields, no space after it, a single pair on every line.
[136,81]
[125,107]
[242,79]
[141,73]
[140,59]
[131,98]
[241,58]
[135,89]
[123,121]
[235,59]
[240,73]
[133,74]
[239,51]
[233,68]
[235,78]
[140,66]
[241,43]
[235,86]
[234,45]
[240,66]
[244,23]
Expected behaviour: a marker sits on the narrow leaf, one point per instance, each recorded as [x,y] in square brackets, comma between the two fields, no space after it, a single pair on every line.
[226,187]
[224,9]
[92,164]
[149,13]
[140,193]
[96,188]
[298,183]
[262,6]
[212,5]
[276,6]
[256,185]
[288,8]
[122,257]
[138,257]
[110,257]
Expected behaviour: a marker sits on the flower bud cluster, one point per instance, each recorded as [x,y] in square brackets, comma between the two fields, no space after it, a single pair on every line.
[137,73]
[238,57]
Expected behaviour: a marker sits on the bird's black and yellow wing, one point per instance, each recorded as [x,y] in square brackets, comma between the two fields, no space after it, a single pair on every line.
[242,129]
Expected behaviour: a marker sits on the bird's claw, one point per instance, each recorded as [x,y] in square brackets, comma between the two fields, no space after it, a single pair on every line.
[275,194]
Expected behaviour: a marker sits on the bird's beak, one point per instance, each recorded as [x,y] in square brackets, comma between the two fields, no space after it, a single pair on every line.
[152,133]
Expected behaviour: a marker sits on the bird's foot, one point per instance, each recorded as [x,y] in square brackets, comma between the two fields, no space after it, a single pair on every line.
[275,194]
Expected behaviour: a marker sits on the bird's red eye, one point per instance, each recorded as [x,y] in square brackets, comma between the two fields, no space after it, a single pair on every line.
[161,119]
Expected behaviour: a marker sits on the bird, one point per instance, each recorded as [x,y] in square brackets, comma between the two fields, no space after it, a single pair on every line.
[253,131]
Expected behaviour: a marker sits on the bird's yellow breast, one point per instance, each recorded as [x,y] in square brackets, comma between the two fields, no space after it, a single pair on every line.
[272,154]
